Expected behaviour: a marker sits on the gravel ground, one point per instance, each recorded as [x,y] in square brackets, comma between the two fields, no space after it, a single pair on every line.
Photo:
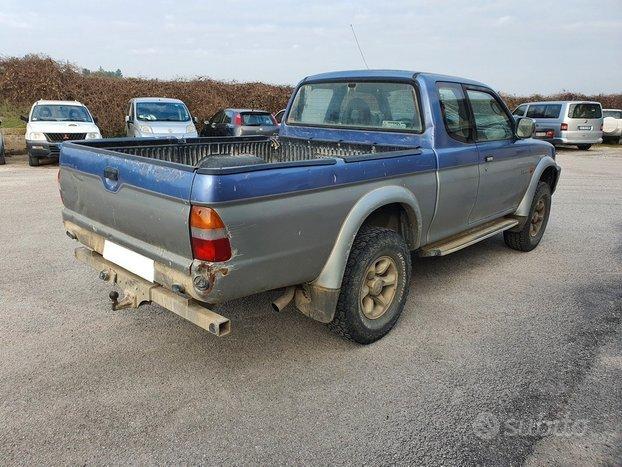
[500,358]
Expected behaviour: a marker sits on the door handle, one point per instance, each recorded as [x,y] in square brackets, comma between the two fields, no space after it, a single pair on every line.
[489,158]
[111,174]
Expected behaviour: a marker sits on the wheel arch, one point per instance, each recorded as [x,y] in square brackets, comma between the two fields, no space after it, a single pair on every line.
[546,170]
[380,208]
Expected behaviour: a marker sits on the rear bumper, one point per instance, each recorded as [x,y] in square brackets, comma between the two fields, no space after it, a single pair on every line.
[43,149]
[138,291]
[571,141]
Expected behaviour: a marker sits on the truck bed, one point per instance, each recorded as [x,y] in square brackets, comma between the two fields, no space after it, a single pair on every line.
[227,155]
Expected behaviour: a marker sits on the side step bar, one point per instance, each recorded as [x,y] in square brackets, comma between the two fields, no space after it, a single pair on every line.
[137,290]
[464,239]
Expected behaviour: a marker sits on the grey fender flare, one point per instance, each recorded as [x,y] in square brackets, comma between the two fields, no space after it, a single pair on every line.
[332,272]
[543,164]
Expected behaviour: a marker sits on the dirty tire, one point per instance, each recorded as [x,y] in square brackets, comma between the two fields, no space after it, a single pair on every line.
[33,161]
[370,244]
[523,240]
[584,147]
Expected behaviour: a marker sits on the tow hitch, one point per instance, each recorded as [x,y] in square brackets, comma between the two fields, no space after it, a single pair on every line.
[137,291]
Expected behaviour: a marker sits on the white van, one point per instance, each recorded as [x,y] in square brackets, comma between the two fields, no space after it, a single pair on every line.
[159,117]
[577,123]
[51,123]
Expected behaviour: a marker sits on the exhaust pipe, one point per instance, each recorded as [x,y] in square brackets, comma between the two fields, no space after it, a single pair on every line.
[284,299]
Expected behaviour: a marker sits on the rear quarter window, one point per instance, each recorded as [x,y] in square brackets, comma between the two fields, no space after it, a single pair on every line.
[586,111]
[544,111]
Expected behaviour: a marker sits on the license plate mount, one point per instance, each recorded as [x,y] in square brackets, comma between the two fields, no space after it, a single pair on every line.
[130,260]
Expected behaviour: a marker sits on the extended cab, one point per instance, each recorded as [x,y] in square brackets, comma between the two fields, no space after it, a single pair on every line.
[50,123]
[368,167]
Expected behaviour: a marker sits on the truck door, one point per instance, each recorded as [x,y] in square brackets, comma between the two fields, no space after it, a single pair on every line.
[504,161]
[458,172]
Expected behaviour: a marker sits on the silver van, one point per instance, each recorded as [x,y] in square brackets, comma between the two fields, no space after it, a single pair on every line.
[576,123]
[157,117]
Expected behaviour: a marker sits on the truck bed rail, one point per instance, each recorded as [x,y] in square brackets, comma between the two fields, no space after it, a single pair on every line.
[215,153]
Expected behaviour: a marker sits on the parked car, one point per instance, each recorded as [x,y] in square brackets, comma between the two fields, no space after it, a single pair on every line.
[240,122]
[368,166]
[575,123]
[612,125]
[158,117]
[279,116]
[2,159]
[51,123]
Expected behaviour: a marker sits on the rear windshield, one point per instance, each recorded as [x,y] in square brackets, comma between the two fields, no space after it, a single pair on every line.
[60,113]
[255,119]
[544,110]
[612,113]
[162,112]
[369,105]
[585,111]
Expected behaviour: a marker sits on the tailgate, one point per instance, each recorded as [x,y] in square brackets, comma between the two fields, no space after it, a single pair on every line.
[138,203]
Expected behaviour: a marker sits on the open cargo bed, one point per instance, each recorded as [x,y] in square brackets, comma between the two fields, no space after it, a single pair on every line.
[222,155]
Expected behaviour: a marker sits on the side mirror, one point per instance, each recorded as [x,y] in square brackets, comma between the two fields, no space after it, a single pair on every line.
[525,127]
[127,119]
[24,119]
[195,119]
[213,125]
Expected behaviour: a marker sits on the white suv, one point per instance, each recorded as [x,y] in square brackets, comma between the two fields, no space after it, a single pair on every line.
[51,123]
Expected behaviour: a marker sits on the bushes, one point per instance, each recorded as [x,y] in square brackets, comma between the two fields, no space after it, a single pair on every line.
[25,80]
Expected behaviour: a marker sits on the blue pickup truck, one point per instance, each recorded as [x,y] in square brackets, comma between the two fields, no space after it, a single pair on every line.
[368,166]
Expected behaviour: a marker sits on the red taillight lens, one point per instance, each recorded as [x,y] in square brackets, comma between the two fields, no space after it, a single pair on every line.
[210,241]
[237,121]
[563,127]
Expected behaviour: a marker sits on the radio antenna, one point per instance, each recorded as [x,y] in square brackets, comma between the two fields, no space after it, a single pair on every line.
[359,46]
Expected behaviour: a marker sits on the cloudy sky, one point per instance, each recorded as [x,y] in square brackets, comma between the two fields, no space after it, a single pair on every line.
[515,46]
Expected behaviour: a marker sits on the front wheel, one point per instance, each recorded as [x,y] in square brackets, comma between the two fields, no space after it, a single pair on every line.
[374,287]
[33,161]
[530,234]
[584,147]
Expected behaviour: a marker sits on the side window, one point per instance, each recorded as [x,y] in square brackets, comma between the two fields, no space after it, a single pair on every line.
[227,116]
[520,110]
[454,110]
[217,118]
[491,121]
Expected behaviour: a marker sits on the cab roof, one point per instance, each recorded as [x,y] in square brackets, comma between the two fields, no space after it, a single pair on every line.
[156,99]
[48,102]
[388,74]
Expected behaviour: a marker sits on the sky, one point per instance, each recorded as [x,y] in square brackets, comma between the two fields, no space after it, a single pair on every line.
[519,47]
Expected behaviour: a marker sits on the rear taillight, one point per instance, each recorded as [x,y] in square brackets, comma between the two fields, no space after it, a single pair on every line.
[237,121]
[563,127]
[210,241]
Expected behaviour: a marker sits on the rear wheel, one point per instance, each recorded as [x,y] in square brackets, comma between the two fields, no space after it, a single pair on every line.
[584,147]
[375,285]
[530,234]
[33,161]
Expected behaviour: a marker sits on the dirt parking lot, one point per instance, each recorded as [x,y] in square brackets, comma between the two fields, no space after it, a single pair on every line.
[501,357]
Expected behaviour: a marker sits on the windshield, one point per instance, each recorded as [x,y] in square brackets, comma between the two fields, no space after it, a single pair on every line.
[162,112]
[255,119]
[585,111]
[376,105]
[613,113]
[60,113]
